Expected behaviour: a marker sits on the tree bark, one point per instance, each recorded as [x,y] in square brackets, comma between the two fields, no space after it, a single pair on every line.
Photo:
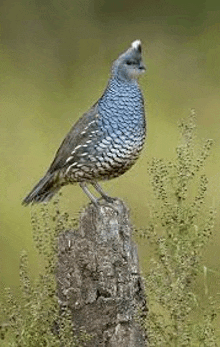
[99,279]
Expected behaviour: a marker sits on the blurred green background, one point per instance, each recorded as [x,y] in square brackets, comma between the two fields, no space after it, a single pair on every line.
[55,60]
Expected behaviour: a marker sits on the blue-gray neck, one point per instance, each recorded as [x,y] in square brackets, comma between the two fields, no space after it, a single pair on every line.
[122,102]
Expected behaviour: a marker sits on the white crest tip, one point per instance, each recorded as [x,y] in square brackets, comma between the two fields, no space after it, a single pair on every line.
[136,44]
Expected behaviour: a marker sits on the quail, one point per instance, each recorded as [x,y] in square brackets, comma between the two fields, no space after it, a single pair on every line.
[106,141]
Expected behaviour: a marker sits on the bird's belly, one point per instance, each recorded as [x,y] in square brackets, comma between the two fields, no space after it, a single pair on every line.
[104,163]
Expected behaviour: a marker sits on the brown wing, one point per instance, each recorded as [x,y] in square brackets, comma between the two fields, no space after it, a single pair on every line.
[77,136]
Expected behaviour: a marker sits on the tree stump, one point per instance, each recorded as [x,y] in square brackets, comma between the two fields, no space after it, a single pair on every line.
[99,279]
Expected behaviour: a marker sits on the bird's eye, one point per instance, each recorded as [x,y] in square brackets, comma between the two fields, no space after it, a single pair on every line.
[130,62]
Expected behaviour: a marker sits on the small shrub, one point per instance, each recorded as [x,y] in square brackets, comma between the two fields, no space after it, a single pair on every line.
[181,226]
[34,319]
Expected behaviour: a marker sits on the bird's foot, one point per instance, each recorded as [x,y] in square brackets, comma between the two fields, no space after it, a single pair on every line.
[104,201]
[109,199]
[112,203]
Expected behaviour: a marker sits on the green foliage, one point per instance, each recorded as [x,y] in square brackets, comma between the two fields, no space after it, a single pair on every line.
[34,319]
[180,228]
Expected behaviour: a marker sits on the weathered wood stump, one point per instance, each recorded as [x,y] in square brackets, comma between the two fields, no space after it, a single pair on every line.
[99,278]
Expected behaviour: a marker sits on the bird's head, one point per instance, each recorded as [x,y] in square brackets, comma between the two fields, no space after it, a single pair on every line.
[129,64]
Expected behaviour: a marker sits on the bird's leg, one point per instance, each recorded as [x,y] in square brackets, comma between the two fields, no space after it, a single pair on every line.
[89,194]
[102,193]
[94,199]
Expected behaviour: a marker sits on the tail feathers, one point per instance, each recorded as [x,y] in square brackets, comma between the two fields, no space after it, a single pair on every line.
[43,191]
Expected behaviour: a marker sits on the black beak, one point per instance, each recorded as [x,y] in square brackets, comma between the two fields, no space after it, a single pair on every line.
[142,66]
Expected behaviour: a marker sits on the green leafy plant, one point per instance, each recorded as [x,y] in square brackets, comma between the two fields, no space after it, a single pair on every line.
[180,227]
[35,319]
